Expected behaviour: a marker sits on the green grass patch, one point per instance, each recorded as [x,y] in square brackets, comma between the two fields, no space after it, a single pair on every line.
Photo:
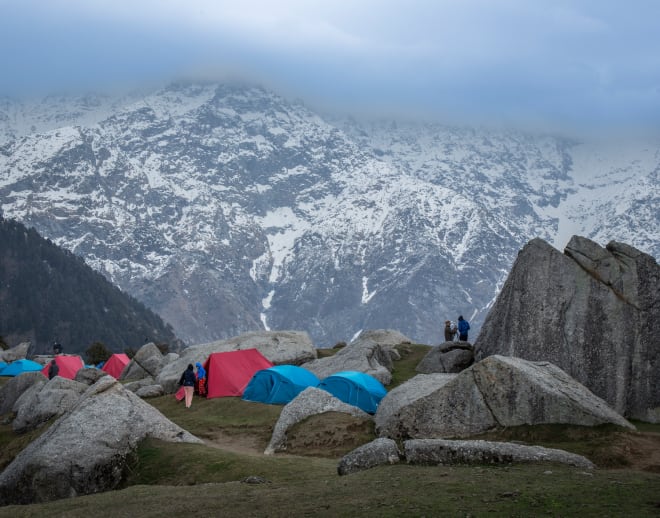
[11,444]
[310,487]
[404,369]
[165,479]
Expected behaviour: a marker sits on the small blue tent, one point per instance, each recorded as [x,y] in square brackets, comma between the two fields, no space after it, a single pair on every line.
[279,384]
[19,367]
[355,388]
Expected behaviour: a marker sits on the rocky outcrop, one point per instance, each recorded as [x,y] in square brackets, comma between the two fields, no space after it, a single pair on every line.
[15,353]
[150,391]
[16,386]
[449,357]
[592,311]
[52,399]
[280,347]
[496,392]
[431,452]
[148,361]
[362,355]
[89,375]
[86,450]
[376,453]
[310,401]
[134,386]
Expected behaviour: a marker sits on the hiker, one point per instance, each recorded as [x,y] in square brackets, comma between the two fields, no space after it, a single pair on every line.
[450,331]
[57,348]
[53,369]
[188,382]
[463,328]
[201,379]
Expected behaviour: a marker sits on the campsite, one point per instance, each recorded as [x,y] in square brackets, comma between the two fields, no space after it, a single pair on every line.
[230,476]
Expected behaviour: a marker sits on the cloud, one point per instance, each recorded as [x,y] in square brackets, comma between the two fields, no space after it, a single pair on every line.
[573,63]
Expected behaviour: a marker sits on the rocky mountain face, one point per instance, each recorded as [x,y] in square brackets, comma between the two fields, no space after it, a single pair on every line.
[226,208]
[592,311]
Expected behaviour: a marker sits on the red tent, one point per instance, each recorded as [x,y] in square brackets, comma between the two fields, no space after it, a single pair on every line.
[116,364]
[69,366]
[228,374]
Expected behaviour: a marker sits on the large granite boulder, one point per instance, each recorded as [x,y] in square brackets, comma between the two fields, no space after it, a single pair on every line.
[310,401]
[362,355]
[15,353]
[279,347]
[150,391]
[592,311]
[449,357]
[89,375]
[494,393]
[147,362]
[16,386]
[432,452]
[52,399]
[375,453]
[85,451]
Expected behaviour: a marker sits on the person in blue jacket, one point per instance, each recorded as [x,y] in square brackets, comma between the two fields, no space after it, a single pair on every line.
[188,382]
[463,328]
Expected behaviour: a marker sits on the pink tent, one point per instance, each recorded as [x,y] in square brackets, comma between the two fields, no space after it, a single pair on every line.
[228,374]
[69,366]
[115,364]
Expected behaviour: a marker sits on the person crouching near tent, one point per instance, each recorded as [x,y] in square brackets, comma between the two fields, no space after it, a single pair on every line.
[201,379]
[188,382]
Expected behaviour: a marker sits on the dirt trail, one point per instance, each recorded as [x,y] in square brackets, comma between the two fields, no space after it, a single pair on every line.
[641,450]
[242,443]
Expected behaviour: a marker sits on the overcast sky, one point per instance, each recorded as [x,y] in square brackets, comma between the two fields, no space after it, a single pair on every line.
[574,64]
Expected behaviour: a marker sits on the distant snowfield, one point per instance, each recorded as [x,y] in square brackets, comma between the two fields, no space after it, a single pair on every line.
[201,197]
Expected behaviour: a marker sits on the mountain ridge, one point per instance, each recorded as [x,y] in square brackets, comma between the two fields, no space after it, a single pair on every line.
[227,208]
[48,294]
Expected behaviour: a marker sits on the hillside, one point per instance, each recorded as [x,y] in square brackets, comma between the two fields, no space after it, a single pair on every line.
[47,294]
[227,208]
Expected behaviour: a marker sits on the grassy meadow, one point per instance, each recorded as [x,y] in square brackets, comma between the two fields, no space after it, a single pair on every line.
[214,479]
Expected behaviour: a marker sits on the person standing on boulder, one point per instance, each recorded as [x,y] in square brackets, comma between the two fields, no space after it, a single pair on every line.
[450,331]
[188,382]
[463,328]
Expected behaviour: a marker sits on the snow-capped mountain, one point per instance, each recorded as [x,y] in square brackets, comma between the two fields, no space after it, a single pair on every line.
[226,208]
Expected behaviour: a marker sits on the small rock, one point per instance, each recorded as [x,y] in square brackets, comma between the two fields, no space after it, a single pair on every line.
[255,479]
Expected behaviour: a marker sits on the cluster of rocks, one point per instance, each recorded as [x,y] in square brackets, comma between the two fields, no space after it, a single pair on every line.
[592,311]
[572,339]
[85,450]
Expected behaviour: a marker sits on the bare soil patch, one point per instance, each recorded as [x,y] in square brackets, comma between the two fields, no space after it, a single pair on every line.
[245,444]
[640,451]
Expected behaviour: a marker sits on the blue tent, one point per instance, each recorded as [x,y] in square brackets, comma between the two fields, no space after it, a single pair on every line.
[19,367]
[279,384]
[355,388]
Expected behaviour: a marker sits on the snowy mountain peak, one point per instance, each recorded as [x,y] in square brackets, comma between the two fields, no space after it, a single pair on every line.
[227,208]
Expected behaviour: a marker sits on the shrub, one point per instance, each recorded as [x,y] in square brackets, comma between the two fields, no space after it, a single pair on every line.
[97,353]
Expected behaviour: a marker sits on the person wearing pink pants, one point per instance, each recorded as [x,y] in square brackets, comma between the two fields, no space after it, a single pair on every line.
[188,382]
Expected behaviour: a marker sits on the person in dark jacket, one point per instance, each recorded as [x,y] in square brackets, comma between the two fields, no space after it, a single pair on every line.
[463,328]
[188,382]
[53,369]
